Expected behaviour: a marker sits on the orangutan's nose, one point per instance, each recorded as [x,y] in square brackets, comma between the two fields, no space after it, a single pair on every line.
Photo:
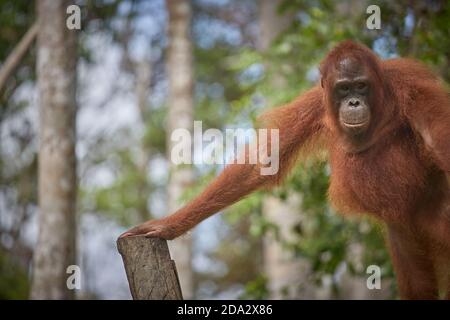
[353,102]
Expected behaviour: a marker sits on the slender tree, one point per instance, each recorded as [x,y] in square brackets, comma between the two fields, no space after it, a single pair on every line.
[180,115]
[286,274]
[56,70]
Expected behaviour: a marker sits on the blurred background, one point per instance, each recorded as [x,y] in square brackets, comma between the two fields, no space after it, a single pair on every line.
[136,70]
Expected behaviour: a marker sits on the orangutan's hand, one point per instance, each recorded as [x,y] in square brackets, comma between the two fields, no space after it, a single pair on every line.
[161,228]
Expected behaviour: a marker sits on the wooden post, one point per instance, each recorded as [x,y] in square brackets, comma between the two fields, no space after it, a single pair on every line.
[151,272]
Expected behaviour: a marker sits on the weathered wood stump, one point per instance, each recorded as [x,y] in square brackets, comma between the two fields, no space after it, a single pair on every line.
[151,273]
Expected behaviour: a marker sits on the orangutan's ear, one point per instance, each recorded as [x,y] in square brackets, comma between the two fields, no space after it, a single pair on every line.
[321,82]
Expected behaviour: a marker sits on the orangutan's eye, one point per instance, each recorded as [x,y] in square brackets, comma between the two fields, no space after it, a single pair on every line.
[343,89]
[361,86]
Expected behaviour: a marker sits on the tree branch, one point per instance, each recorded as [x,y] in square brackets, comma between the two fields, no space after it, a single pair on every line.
[13,60]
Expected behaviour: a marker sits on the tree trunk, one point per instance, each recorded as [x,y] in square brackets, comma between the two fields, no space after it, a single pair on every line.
[180,115]
[151,272]
[287,275]
[56,70]
[271,23]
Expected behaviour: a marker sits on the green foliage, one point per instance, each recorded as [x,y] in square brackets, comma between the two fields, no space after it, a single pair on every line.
[154,138]
[16,17]
[256,289]
[420,30]
[13,279]
[126,198]
[217,86]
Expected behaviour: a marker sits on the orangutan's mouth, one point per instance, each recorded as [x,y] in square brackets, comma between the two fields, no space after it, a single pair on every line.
[356,124]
